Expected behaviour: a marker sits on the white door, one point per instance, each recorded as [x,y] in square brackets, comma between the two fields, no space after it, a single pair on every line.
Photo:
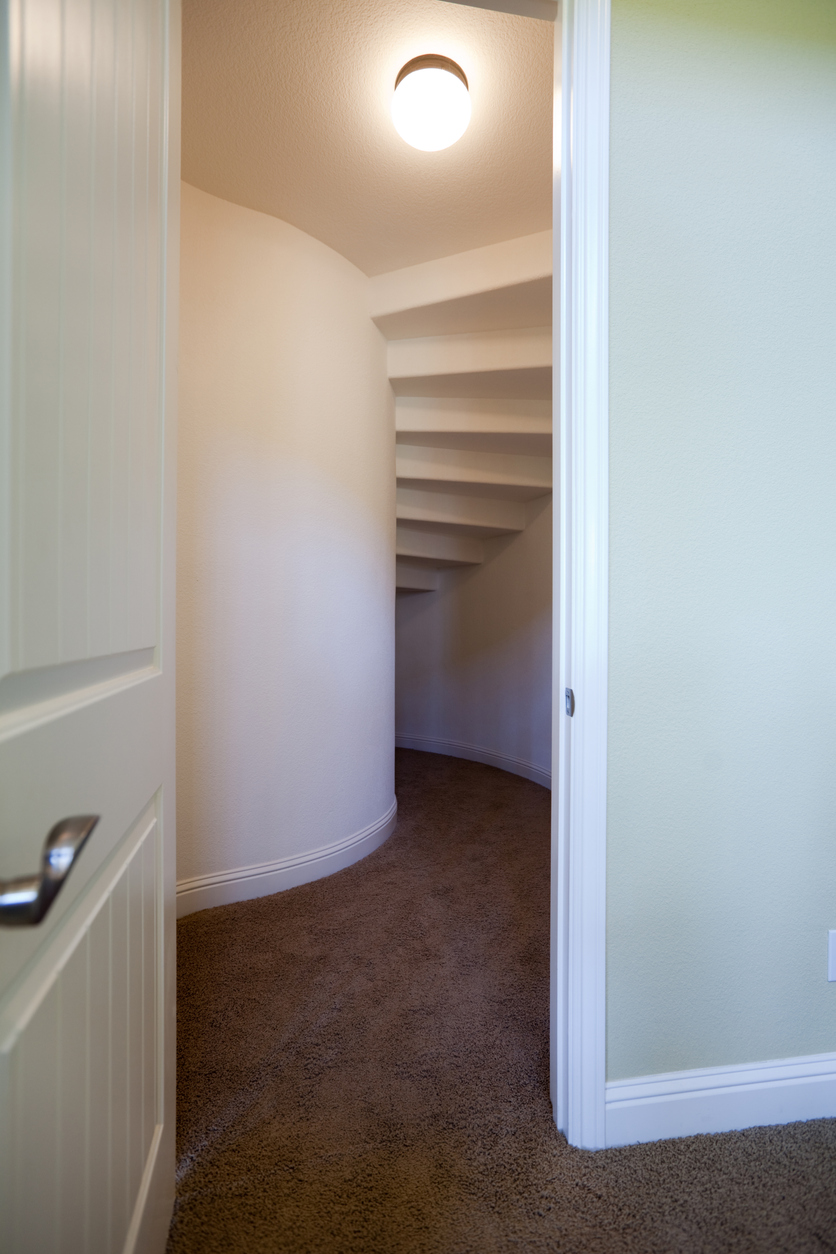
[88,231]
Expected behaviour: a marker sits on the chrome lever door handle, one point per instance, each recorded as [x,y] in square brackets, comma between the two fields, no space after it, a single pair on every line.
[25,901]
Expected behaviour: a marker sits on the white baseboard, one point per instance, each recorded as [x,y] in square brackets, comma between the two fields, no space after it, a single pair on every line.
[244,883]
[720,1099]
[457,749]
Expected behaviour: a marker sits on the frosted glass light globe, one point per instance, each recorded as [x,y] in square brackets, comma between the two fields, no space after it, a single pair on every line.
[431,104]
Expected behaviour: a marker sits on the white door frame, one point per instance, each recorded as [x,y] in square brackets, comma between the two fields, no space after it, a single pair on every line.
[578,931]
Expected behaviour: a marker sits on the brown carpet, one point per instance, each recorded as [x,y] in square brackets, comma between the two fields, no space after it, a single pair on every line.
[363,1068]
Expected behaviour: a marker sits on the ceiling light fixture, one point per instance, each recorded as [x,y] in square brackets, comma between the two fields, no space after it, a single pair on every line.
[431,104]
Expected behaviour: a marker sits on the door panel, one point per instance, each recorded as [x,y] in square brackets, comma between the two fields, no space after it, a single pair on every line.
[102,758]
[81,1040]
[89,115]
[85,405]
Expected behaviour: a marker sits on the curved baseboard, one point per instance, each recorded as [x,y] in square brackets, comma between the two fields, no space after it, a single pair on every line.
[473,753]
[244,883]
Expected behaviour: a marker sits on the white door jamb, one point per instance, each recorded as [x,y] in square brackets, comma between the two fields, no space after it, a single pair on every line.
[580,766]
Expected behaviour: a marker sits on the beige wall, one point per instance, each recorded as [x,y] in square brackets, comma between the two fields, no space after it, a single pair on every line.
[286,545]
[474,658]
[722,734]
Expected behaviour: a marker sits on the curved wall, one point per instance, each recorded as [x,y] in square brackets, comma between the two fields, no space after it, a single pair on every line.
[285,560]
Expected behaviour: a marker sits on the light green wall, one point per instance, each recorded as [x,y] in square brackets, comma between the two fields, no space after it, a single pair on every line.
[722,734]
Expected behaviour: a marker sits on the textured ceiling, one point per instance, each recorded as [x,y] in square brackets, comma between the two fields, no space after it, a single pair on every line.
[286,110]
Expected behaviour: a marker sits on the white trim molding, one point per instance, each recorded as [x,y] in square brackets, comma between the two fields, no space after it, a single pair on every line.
[579,862]
[473,753]
[244,883]
[720,1099]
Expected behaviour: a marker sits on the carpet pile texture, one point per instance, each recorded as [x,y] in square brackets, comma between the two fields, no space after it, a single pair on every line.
[363,1068]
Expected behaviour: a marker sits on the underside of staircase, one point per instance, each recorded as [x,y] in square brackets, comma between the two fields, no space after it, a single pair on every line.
[469,355]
